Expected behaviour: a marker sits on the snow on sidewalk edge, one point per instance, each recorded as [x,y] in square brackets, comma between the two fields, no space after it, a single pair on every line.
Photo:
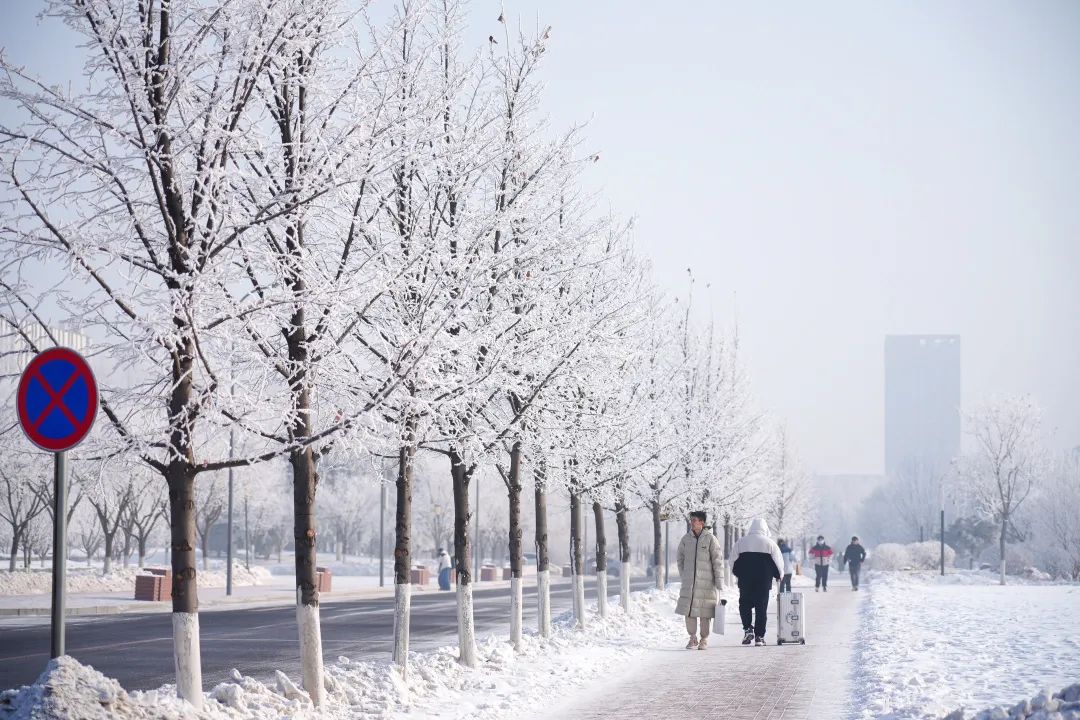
[1064,705]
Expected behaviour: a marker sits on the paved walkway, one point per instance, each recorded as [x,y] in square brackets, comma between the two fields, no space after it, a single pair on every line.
[792,682]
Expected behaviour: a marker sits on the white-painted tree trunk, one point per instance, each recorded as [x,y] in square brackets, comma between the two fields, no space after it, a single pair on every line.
[624,590]
[187,658]
[402,609]
[579,601]
[515,612]
[466,627]
[543,602]
[659,578]
[601,594]
[311,659]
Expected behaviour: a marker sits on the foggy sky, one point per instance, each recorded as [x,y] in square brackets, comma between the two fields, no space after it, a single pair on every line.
[834,173]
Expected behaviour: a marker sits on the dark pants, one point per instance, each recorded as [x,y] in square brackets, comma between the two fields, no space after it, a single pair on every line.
[754,608]
[853,568]
[821,576]
[785,583]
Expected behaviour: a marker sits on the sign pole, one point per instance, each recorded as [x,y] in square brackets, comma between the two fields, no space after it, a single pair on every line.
[59,564]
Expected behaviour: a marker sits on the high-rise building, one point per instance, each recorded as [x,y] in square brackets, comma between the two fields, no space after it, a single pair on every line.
[922,402]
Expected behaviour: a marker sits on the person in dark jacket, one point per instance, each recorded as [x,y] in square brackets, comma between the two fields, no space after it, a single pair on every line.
[821,554]
[789,566]
[757,563]
[854,555]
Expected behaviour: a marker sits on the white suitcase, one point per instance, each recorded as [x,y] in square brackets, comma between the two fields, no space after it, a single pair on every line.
[791,618]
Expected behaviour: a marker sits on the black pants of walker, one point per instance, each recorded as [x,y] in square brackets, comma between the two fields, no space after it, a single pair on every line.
[821,576]
[754,608]
[853,568]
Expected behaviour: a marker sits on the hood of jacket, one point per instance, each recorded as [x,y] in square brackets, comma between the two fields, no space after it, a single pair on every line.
[758,526]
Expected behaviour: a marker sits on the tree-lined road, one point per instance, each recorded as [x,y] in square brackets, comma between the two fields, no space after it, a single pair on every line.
[137,649]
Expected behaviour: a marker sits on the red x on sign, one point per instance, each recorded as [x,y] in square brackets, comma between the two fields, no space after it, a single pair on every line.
[57,399]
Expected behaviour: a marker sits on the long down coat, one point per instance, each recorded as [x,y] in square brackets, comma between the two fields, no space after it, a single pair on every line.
[701,567]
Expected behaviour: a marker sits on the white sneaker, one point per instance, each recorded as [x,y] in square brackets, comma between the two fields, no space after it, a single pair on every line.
[693,644]
[704,644]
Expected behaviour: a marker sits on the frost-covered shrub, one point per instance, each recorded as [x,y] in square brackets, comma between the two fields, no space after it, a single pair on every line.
[927,555]
[890,556]
[1016,559]
[913,556]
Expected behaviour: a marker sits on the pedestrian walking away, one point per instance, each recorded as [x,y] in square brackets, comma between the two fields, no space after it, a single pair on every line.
[821,554]
[789,565]
[444,569]
[758,563]
[701,568]
[854,554]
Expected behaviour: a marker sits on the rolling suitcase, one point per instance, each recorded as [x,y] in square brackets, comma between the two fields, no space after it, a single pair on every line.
[791,619]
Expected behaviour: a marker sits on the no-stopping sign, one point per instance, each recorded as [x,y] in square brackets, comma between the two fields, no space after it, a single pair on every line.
[57,399]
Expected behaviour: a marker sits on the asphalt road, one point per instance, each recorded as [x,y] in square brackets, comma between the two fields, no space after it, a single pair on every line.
[136,649]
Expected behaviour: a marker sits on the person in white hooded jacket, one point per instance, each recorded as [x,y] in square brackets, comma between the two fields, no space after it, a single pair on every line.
[758,563]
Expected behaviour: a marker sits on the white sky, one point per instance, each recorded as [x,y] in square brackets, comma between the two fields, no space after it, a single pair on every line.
[845,170]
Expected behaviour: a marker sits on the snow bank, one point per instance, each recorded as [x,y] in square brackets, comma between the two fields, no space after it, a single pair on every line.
[929,644]
[1064,705]
[913,556]
[505,684]
[39,582]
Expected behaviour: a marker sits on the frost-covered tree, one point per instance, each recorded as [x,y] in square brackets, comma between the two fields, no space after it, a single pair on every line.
[1006,463]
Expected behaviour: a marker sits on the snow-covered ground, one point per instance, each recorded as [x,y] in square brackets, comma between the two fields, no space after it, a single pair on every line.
[506,684]
[81,580]
[929,644]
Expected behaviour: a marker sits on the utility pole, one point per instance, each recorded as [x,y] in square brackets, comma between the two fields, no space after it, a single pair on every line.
[382,533]
[667,551]
[476,544]
[941,501]
[247,535]
[229,524]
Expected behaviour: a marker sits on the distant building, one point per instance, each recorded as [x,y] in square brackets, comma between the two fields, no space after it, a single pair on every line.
[922,402]
[15,352]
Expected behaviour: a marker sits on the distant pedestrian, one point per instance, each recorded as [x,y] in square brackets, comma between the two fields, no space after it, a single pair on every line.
[821,554]
[854,554]
[444,569]
[701,568]
[789,566]
[757,563]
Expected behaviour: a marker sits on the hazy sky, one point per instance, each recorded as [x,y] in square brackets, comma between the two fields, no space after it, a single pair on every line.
[835,172]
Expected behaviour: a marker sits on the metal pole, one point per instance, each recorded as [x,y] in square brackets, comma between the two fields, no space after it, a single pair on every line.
[476,548]
[59,566]
[247,535]
[229,524]
[942,541]
[382,533]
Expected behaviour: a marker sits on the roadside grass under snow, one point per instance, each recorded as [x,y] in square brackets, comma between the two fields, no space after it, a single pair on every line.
[81,580]
[505,684]
[928,644]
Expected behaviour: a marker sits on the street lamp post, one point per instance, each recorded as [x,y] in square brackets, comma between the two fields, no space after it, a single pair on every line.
[382,533]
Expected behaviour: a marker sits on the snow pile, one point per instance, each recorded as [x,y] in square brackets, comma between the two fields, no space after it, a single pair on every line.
[929,644]
[505,683]
[1064,705]
[913,556]
[39,582]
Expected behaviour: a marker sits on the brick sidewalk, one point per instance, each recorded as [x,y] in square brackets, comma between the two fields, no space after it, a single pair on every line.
[792,682]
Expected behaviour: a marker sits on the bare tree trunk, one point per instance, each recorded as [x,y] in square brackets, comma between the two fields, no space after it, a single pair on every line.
[403,551]
[657,570]
[461,475]
[514,492]
[601,560]
[543,574]
[16,540]
[185,617]
[1001,544]
[623,525]
[305,482]
[577,558]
